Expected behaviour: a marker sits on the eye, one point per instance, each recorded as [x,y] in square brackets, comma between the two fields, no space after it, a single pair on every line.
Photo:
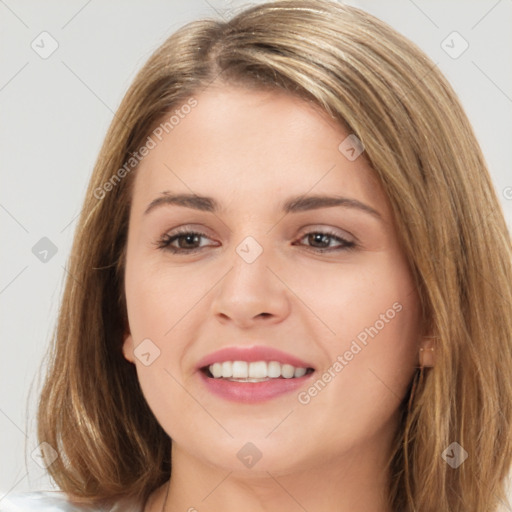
[181,241]
[320,241]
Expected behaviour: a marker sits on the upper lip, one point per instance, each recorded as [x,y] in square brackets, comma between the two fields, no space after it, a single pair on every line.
[252,354]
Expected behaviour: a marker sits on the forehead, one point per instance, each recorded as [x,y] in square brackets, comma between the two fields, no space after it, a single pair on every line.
[262,144]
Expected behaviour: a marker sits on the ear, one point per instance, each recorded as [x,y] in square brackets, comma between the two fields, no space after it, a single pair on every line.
[128,348]
[427,352]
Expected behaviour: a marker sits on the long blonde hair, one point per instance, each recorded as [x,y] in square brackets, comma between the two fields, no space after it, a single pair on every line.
[382,88]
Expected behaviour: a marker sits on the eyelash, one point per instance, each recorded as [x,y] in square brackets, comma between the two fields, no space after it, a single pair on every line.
[165,242]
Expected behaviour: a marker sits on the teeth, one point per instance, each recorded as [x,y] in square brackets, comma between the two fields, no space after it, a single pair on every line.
[216,369]
[227,369]
[300,372]
[256,371]
[287,371]
[274,369]
[240,370]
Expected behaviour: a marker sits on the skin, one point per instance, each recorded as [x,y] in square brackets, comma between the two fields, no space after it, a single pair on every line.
[251,150]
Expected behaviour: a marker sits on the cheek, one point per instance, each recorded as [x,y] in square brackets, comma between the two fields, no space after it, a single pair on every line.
[158,298]
[350,300]
[149,311]
[371,358]
[157,311]
[167,305]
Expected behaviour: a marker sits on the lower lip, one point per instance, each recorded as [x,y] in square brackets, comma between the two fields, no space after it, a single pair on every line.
[251,392]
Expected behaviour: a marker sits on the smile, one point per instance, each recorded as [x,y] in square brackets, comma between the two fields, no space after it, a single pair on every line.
[253,374]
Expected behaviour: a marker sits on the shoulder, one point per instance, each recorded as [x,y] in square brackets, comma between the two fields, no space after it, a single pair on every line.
[52,501]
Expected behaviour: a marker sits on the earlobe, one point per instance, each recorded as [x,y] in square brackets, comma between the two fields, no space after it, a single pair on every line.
[427,353]
[128,348]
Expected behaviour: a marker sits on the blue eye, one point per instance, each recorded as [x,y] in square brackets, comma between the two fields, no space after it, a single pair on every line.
[187,242]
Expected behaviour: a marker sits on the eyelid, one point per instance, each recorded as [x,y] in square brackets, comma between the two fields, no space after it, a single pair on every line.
[342,233]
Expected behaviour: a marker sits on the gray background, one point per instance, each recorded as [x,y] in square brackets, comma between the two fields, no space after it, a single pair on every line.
[55,112]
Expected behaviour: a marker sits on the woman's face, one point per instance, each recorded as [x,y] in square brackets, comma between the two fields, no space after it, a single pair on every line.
[292,264]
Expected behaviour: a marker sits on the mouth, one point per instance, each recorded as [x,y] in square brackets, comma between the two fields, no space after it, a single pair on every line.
[253,374]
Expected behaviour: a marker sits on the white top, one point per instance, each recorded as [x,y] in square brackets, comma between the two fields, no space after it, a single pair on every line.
[53,501]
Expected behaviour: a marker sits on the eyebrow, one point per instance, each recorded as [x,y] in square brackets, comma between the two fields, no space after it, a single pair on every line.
[291,205]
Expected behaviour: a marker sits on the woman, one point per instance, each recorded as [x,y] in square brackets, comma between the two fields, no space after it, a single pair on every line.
[291,283]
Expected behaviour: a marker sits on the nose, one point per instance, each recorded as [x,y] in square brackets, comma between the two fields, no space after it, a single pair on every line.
[251,294]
